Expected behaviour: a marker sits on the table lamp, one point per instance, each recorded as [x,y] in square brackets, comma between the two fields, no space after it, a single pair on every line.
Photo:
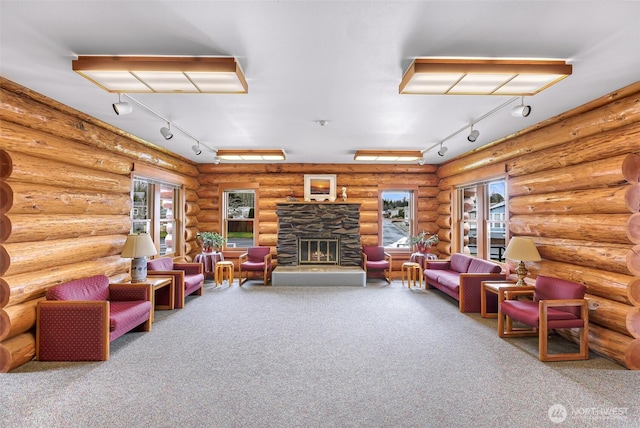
[137,247]
[524,250]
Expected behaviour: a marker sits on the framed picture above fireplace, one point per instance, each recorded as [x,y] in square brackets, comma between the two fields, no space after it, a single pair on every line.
[320,187]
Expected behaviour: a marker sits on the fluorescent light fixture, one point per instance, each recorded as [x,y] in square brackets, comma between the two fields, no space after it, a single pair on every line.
[442,76]
[388,155]
[251,155]
[163,74]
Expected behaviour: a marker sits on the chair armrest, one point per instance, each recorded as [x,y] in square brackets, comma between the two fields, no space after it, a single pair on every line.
[388,257]
[267,259]
[471,289]
[189,268]
[515,291]
[129,292]
[243,257]
[72,330]
[364,258]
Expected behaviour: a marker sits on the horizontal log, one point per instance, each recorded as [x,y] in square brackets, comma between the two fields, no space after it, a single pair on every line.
[444,221]
[314,168]
[608,200]
[29,109]
[608,313]
[6,165]
[601,173]
[631,168]
[633,260]
[268,240]
[29,169]
[608,343]
[430,204]
[6,197]
[368,228]
[368,240]
[32,142]
[601,145]
[633,322]
[32,256]
[599,282]
[41,199]
[191,221]
[609,257]
[5,292]
[17,351]
[427,216]
[633,228]
[445,235]
[191,208]
[444,248]
[208,192]
[559,131]
[633,291]
[444,209]
[444,196]
[632,356]
[22,318]
[45,227]
[190,233]
[34,284]
[487,172]
[281,192]
[5,325]
[207,216]
[632,198]
[586,227]
[267,227]
[191,196]
[5,228]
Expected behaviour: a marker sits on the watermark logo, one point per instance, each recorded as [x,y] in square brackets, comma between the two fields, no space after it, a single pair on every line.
[557,413]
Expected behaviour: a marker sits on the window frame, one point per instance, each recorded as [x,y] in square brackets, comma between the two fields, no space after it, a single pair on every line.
[239,187]
[413,216]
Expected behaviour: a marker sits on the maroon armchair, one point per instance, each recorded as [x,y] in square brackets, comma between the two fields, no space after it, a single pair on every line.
[256,259]
[79,319]
[188,279]
[374,258]
[554,304]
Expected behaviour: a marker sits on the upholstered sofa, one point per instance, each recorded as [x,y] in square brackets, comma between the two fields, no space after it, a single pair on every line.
[79,319]
[188,277]
[461,278]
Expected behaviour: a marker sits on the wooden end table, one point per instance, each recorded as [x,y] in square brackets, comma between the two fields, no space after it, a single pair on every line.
[156,283]
[494,288]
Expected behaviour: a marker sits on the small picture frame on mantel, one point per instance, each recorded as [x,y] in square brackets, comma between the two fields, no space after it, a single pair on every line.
[319,187]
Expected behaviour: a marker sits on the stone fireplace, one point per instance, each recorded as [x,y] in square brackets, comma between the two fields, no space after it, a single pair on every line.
[318,226]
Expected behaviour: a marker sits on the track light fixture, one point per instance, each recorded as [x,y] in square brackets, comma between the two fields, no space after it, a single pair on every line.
[521,110]
[196,148]
[443,150]
[473,135]
[122,107]
[166,131]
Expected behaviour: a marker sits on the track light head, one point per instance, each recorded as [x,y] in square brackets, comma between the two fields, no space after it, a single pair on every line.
[421,162]
[166,132]
[473,135]
[196,149]
[122,107]
[443,150]
[521,111]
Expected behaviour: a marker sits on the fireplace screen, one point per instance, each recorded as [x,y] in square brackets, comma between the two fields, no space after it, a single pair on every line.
[318,251]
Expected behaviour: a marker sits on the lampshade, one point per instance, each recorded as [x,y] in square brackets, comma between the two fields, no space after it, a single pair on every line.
[522,249]
[473,76]
[138,245]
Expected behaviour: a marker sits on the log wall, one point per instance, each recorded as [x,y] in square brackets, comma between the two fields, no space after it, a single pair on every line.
[275,182]
[572,184]
[65,182]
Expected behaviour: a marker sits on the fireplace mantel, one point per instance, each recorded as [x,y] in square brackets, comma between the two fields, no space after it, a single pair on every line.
[319,219]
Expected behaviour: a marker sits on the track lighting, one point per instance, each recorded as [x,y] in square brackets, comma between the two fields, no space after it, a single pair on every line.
[443,150]
[473,135]
[421,162]
[166,131]
[196,148]
[122,107]
[521,110]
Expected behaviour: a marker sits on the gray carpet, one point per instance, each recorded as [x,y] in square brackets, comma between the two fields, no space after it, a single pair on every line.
[380,356]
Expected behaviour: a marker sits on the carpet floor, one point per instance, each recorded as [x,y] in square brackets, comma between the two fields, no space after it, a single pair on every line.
[380,356]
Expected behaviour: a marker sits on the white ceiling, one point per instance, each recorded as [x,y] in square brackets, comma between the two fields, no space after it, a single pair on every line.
[306,61]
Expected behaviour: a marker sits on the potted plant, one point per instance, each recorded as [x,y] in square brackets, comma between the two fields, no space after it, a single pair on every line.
[424,241]
[210,241]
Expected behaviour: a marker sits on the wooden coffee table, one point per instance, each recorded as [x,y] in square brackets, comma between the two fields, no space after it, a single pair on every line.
[156,283]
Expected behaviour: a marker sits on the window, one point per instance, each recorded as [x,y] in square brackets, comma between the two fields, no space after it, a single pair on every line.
[482,219]
[398,213]
[154,212]
[239,217]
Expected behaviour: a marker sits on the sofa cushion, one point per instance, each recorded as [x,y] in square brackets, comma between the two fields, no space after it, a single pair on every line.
[529,313]
[90,288]
[460,262]
[451,280]
[124,316]
[483,266]
[163,263]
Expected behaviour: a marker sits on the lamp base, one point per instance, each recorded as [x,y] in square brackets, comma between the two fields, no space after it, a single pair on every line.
[522,272]
[139,269]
